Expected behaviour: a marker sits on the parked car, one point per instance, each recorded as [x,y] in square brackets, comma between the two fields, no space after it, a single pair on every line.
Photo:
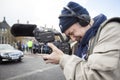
[9,53]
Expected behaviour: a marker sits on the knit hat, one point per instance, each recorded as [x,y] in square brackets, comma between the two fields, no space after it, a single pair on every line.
[66,22]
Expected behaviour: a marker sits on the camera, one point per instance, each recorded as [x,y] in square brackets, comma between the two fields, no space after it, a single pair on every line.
[43,37]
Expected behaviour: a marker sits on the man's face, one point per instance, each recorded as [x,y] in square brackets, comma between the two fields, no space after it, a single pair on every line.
[76,32]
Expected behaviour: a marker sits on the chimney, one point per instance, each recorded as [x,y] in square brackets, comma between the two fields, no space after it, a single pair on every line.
[18,21]
[27,22]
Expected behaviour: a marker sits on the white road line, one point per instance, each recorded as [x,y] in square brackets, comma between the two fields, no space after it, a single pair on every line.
[29,73]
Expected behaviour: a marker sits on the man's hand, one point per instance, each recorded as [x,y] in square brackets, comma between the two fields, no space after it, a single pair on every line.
[55,56]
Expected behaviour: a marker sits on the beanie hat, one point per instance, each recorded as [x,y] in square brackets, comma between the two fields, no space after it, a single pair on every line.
[65,22]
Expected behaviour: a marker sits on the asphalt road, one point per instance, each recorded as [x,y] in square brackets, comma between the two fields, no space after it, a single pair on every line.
[32,67]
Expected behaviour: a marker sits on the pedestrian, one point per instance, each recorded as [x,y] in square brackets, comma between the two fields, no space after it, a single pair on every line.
[98,52]
[30,45]
[19,45]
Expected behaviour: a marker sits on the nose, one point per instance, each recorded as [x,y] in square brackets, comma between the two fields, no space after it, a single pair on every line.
[73,38]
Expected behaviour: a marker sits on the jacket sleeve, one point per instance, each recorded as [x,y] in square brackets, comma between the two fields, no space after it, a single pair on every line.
[102,64]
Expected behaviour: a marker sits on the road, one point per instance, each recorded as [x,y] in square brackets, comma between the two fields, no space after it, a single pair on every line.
[32,67]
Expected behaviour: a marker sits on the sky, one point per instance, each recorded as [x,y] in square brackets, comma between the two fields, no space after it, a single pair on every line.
[46,12]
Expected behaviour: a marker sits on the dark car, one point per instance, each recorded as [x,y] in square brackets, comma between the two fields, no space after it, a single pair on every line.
[36,48]
[9,53]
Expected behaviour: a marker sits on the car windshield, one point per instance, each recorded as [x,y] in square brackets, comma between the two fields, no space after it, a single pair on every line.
[6,47]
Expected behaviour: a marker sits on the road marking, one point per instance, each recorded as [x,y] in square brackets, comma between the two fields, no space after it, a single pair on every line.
[28,56]
[29,73]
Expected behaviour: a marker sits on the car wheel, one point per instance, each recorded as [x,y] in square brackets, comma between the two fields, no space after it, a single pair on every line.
[0,60]
[20,59]
[34,51]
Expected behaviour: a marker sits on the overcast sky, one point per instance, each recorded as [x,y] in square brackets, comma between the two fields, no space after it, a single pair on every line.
[46,12]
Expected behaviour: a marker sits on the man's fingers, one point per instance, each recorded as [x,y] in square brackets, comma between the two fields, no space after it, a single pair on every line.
[51,45]
[49,61]
[47,58]
[54,48]
[44,56]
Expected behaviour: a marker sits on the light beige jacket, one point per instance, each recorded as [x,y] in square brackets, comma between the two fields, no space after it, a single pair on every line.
[103,61]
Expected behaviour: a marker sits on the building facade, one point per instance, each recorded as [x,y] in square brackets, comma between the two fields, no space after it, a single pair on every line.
[5,35]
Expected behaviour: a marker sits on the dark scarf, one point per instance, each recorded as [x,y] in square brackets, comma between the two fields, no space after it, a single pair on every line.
[83,45]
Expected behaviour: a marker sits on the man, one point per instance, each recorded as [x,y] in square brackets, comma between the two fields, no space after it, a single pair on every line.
[30,45]
[98,53]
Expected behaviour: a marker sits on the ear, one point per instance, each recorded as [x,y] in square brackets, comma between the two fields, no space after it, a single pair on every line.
[84,20]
